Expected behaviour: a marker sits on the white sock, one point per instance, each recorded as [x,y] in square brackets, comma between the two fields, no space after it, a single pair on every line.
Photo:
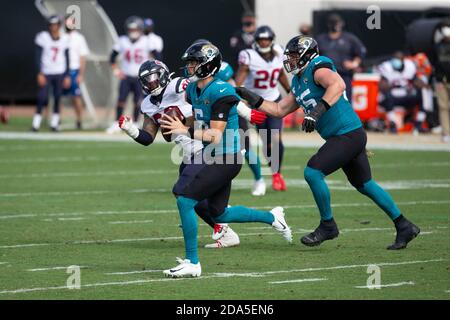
[421,116]
[391,116]
[54,123]
[37,121]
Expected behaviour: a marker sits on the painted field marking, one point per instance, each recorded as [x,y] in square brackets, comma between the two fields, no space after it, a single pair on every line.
[411,283]
[130,222]
[52,268]
[298,280]
[212,276]
[156,211]
[132,272]
[82,174]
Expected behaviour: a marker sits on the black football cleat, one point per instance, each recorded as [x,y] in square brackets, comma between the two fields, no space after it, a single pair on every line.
[406,231]
[326,230]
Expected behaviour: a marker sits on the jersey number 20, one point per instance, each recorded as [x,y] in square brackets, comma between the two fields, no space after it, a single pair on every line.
[263,76]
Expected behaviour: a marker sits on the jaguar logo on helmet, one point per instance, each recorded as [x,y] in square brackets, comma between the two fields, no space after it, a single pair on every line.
[304,42]
[209,51]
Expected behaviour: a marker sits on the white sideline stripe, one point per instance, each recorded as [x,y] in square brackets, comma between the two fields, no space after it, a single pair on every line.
[304,206]
[71,219]
[132,272]
[83,174]
[259,274]
[52,268]
[213,275]
[240,184]
[298,280]
[77,159]
[387,285]
[129,222]
[176,238]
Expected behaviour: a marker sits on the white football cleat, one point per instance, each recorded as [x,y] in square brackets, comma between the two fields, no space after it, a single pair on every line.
[259,188]
[113,128]
[219,231]
[280,224]
[184,269]
[228,239]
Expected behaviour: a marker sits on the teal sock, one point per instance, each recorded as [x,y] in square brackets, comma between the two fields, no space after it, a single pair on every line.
[254,163]
[381,198]
[321,193]
[244,214]
[189,226]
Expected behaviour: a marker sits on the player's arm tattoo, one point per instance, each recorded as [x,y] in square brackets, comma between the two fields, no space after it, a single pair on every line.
[332,82]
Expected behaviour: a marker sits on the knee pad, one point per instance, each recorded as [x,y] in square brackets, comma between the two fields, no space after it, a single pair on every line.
[312,175]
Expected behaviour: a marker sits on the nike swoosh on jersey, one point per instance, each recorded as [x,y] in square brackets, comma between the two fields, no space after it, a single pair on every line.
[222,90]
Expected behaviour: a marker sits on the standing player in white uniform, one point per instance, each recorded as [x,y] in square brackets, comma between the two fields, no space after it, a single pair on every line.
[167,96]
[156,43]
[260,70]
[134,50]
[78,50]
[52,60]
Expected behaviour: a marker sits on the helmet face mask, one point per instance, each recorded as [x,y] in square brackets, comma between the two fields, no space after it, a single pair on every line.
[300,50]
[202,60]
[154,76]
[134,27]
[261,34]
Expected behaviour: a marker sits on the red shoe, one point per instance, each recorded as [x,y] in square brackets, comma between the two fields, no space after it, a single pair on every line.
[278,183]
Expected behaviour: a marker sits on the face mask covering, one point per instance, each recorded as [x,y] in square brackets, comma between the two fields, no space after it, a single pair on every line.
[397,63]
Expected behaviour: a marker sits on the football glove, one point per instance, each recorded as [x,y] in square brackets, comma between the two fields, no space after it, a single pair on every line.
[252,115]
[126,124]
[310,120]
[254,100]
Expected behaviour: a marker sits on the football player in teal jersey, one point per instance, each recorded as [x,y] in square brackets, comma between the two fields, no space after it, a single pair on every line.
[208,177]
[320,91]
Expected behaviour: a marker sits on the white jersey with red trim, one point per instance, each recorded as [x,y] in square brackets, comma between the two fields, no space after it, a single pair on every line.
[263,76]
[173,97]
[133,54]
[400,81]
[53,59]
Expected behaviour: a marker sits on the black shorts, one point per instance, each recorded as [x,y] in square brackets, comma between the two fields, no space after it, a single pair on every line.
[208,181]
[127,85]
[347,151]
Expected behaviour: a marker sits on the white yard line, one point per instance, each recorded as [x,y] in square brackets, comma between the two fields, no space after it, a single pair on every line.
[132,272]
[76,159]
[157,211]
[399,284]
[53,268]
[214,275]
[83,174]
[79,193]
[298,280]
[130,222]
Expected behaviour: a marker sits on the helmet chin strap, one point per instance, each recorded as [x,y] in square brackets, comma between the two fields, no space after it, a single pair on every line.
[263,50]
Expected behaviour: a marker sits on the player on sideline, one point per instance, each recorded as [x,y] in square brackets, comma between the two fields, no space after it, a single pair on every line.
[318,88]
[78,51]
[208,176]
[52,60]
[166,95]
[134,50]
[260,70]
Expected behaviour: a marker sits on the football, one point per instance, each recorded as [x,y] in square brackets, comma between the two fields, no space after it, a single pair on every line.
[174,112]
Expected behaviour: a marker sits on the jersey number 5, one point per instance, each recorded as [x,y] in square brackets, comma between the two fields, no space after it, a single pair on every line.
[263,76]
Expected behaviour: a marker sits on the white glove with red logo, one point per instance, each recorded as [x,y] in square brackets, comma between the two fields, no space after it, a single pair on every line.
[126,124]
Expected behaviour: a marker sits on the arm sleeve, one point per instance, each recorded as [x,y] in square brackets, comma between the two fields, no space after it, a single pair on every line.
[38,56]
[221,108]
[84,49]
[66,53]
[113,56]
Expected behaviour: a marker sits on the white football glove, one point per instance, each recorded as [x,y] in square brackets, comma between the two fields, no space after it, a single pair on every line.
[126,124]
[188,145]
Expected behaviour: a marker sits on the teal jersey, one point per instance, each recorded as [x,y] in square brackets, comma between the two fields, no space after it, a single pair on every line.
[340,118]
[225,72]
[202,102]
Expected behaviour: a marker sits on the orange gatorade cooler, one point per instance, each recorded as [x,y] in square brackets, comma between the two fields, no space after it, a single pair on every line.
[365,95]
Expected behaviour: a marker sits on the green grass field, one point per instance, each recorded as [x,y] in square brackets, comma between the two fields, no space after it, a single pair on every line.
[107,207]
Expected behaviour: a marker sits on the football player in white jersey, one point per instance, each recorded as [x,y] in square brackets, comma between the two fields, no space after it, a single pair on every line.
[397,87]
[134,50]
[167,96]
[78,50]
[260,70]
[156,43]
[52,60]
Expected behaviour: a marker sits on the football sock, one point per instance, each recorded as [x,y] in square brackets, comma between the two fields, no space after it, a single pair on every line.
[381,198]
[321,193]
[254,163]
[244,214]
[189,226]
[202,210]
[37,121]
[119,112]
